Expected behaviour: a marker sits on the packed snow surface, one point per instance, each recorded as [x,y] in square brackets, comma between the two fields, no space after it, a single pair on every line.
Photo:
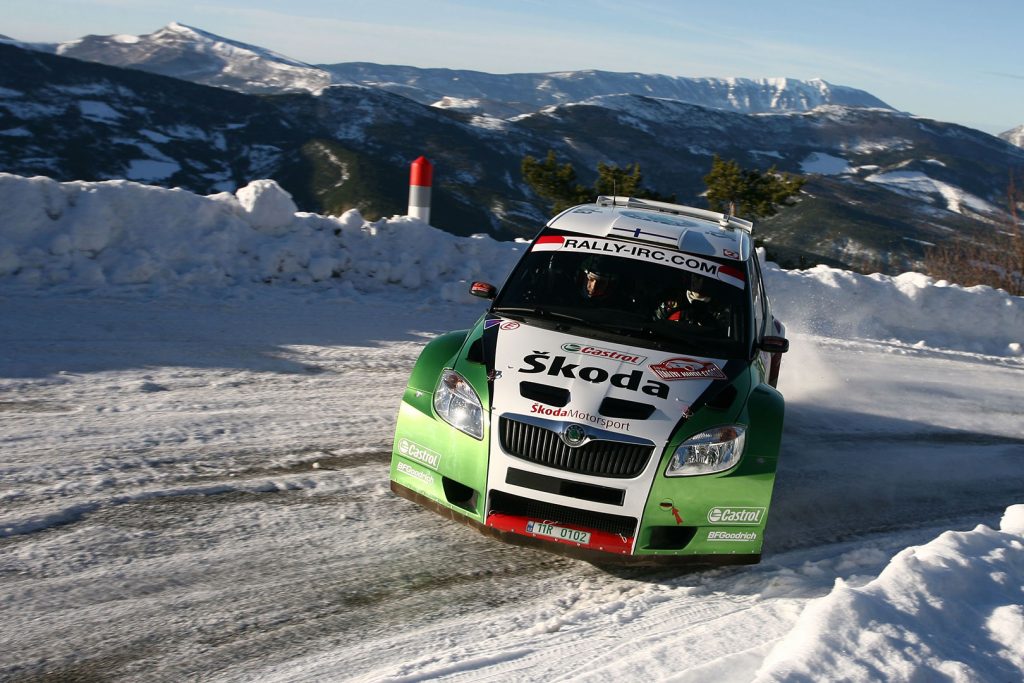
[197,400]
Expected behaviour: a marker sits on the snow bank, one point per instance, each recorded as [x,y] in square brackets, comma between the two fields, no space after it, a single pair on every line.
[81,235]
[921,619]
[910,308]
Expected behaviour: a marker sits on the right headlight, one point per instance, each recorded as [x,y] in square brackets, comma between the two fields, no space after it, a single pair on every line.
[713,450]
[458,405]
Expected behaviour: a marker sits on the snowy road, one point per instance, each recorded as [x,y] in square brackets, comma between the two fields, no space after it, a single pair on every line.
[199,490]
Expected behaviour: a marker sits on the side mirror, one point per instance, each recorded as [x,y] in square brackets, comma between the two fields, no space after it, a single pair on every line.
[484,290]
[774,344]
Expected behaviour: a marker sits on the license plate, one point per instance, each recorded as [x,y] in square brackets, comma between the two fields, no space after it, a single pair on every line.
[559,532]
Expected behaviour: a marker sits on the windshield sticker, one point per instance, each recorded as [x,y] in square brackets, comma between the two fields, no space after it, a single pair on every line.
[687,368]
[651,254]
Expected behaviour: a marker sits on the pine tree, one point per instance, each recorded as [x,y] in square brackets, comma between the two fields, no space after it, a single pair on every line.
[746,192]
[554,182]
[612,180]
[557,182]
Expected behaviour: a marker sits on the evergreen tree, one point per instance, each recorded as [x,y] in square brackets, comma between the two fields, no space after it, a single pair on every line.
[749,193]
[612,180]
[557,182]
[554,182]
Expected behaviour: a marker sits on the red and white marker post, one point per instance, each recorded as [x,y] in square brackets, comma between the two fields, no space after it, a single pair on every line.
[421,177]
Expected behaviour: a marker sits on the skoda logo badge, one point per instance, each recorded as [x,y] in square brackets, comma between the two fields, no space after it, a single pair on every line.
[574,436]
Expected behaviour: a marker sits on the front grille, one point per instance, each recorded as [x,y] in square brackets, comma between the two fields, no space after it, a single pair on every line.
[598,458]
[565,487]
[559,514]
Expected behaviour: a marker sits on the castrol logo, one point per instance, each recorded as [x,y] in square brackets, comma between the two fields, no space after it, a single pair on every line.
[600,352]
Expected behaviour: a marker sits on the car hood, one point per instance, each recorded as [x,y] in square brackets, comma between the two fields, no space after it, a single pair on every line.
[603,386]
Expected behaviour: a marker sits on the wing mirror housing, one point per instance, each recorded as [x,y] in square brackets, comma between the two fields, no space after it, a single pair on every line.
[774,344]
[484,290]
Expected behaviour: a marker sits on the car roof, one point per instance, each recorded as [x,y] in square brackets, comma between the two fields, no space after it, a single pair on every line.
[695,231]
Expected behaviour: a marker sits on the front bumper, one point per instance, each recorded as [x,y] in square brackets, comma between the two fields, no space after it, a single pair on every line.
[512,529]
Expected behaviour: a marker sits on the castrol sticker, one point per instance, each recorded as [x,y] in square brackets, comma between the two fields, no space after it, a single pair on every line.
[735,515]
[601,352]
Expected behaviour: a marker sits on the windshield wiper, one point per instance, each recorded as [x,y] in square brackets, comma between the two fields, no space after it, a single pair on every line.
[536,311]
[645,330]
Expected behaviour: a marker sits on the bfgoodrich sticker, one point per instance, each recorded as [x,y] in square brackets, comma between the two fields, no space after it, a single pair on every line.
[415,473]
[738,536]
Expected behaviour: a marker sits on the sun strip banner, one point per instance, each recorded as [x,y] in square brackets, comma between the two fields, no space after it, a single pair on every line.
[642,252]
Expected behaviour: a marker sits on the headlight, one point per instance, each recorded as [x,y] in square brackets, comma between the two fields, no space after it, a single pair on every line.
[458,405]
[715,450]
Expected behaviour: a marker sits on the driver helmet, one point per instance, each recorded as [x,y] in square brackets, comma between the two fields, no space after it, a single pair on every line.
[596,278]
[698,291]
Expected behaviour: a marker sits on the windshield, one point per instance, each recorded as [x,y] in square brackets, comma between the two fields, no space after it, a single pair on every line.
[702,312]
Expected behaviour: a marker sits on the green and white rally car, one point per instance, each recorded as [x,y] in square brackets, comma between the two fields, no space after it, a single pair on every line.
[616,402]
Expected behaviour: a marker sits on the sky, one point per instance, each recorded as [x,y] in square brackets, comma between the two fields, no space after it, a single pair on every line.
[942,59]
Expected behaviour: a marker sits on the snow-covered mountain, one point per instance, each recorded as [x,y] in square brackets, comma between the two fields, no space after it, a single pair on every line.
[194,55]
[1015,136]
[502,95]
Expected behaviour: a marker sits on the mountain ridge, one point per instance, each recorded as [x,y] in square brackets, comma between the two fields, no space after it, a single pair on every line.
[193,54]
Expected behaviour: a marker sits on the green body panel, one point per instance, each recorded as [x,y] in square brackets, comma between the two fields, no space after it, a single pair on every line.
[427,450]
[438,354]
[747,486]
[450,454]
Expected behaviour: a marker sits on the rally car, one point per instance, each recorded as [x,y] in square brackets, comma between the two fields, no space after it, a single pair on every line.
[617,400]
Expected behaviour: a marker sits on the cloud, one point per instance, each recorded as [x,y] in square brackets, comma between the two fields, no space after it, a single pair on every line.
[1017,77]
